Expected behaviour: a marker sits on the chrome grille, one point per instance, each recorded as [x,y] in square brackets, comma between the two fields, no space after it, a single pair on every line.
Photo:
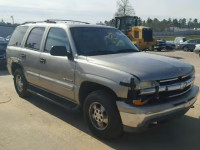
[171,88]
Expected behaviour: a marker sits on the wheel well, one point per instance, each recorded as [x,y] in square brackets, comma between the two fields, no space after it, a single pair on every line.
[14,67]
[88,87]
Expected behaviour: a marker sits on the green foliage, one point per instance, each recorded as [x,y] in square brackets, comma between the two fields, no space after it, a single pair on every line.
[165,24]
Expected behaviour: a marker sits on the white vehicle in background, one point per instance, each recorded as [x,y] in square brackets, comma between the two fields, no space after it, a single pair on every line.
[197,49]
[178,41]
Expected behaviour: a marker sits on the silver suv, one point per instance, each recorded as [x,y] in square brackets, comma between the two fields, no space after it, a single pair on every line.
[99,70]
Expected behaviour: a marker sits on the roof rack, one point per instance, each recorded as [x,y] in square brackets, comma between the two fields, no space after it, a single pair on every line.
[58,20]
[55,21]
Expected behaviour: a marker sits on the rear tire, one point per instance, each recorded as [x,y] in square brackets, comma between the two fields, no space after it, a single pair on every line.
[21,85]
[159,49]
[102,115]
[185,48]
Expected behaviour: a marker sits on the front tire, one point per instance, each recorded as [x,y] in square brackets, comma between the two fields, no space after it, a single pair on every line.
[21,84]
[159,49]
[151,48]
[102,115]
[185,48]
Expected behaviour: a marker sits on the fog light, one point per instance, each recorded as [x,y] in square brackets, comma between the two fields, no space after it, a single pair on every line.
[139,102]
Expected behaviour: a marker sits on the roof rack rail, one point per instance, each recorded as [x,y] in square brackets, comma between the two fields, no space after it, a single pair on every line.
[55,21]
[73,21]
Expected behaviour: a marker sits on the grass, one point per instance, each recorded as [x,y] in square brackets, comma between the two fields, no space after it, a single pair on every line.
[171,38]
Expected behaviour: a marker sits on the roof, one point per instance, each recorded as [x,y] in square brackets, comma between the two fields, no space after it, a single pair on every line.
[63,25]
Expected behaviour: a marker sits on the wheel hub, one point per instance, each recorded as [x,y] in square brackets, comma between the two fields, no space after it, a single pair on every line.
[98,116]
[19,83]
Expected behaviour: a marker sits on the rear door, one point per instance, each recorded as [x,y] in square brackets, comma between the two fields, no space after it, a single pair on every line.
[57,73]
[14,46]
[30,55]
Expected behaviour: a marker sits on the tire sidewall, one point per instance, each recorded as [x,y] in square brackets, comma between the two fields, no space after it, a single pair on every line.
[114,128]
[24,92]
[185,48]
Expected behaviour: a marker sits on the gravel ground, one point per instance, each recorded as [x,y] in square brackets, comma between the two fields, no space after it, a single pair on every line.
[37,124]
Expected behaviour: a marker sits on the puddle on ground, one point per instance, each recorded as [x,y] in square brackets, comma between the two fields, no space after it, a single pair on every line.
[4,98]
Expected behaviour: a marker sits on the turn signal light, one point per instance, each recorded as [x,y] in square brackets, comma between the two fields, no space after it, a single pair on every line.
[139,102]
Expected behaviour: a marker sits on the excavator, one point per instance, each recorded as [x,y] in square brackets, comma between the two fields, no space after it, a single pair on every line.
[141,36]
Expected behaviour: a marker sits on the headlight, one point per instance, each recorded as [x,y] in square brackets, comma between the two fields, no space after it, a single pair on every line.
[147,85]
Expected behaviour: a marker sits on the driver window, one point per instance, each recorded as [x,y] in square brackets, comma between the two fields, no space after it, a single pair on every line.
[56,37]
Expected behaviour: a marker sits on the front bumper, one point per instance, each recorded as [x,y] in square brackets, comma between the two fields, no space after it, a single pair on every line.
[133,116]
[159,46]
[2,62]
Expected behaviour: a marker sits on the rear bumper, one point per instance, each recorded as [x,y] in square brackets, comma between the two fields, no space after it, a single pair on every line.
[142,116]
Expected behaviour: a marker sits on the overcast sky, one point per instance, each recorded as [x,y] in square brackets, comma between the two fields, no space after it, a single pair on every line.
[94,10]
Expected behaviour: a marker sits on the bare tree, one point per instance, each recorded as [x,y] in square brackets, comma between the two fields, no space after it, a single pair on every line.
[124,8]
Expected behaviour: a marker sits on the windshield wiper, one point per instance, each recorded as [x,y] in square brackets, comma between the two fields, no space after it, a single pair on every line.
[126,51]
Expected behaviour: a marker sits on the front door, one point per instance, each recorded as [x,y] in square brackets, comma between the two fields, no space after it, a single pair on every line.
[57,72]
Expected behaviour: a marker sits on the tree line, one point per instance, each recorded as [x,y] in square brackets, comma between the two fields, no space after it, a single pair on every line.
[124,8]
[3,23]
[162,25]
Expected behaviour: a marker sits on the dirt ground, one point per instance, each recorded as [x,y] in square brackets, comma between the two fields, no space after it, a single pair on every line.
[33,123]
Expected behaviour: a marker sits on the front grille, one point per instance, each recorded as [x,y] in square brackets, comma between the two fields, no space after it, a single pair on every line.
[169,89]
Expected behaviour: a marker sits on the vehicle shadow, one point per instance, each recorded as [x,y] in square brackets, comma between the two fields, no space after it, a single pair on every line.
[180,134]
[183,133]
[175,57]
[4,72]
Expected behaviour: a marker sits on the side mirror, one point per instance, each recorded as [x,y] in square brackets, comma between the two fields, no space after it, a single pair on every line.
[59,51]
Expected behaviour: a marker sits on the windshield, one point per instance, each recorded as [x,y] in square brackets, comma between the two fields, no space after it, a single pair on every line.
[131,21]
[101,41]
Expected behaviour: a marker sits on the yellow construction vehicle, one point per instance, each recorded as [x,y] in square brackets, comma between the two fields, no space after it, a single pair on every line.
[139,35]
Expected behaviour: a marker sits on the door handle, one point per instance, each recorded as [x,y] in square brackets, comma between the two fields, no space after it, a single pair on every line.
[23,55]
[42,60]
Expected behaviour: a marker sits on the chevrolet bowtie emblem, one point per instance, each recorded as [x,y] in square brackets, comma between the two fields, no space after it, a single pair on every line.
[183,85]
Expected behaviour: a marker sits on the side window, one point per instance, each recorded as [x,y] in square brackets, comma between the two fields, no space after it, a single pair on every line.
[17,36]
[191,41]
[56,37]
[198,41]
[35,38]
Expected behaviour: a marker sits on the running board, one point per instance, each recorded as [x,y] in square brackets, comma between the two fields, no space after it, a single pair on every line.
[64,103]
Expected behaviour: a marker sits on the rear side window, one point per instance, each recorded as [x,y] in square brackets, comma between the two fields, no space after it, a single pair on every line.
[56,37]
[35,38]
[184,39]
[17,36]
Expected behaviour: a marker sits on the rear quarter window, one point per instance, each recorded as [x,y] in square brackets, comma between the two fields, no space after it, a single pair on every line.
[17,36]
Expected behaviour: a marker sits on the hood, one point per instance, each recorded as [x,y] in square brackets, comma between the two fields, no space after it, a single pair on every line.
[143,65]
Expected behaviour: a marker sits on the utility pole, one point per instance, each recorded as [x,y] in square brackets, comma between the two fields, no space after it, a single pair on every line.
[12,19]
